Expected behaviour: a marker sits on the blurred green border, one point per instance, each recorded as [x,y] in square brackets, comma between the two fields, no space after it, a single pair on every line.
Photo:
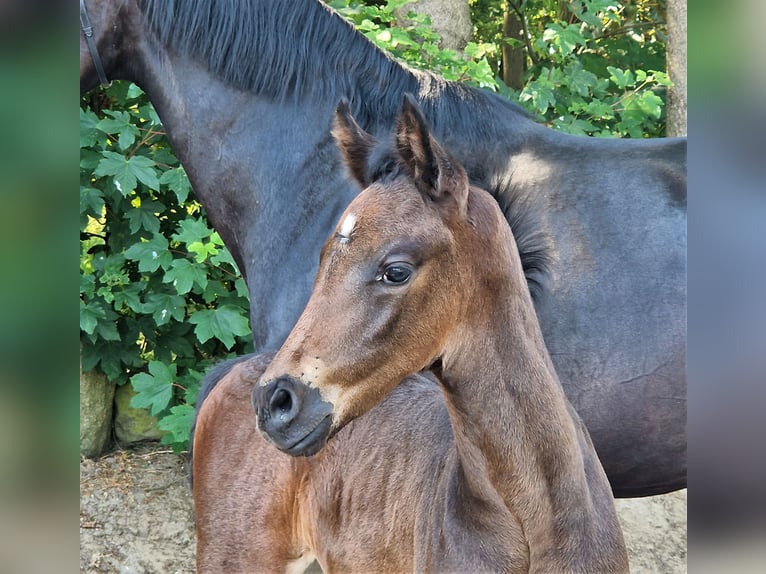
[39,349]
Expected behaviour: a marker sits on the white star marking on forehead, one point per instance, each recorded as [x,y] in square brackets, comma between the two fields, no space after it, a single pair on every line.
[347,227]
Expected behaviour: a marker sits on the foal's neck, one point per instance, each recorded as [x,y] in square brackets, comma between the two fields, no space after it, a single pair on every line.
[505,398]
[515,433]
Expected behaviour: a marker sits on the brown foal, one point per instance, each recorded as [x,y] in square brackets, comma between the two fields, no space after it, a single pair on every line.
[481,466]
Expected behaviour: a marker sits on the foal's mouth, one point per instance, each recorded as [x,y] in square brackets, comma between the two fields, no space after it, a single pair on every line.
[313,442]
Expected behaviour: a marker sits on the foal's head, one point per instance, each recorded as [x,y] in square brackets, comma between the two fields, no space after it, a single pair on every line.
[412,257]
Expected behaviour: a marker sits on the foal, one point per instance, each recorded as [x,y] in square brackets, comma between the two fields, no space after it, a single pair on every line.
[484,468]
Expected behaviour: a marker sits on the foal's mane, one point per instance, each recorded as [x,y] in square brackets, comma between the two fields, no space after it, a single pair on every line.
[288,50]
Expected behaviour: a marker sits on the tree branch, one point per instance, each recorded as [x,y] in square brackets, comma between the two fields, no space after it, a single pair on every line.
[517,8]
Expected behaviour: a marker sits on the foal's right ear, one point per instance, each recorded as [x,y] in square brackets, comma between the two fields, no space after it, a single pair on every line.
[433,170]
[354,143]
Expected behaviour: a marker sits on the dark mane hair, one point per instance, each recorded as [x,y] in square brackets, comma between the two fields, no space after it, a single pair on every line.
[306,45]
[533,241]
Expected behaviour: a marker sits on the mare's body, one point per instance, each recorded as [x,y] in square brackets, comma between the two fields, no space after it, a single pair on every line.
[251,128]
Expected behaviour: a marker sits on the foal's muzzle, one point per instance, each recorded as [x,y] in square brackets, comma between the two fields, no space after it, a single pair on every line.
[292,415]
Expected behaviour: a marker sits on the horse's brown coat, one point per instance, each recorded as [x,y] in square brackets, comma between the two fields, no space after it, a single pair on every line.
[486,468]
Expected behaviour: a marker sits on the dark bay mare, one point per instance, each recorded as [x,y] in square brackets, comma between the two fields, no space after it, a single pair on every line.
[486,468]
[246,91]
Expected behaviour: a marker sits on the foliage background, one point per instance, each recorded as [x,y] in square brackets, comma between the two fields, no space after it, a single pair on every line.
[160,296]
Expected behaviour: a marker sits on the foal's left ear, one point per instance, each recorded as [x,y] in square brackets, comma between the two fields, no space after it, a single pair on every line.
[354,143]
[435,172]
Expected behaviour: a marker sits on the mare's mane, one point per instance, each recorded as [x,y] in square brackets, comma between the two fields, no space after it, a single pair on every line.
[312,52]
[309,50]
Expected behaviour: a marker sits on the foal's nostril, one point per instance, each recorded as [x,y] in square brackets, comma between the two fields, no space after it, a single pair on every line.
[281,402]
[292,415]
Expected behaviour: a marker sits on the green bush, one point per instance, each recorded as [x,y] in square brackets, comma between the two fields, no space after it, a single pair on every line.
[413,41]
[161,298]
[593,67]
[599,71]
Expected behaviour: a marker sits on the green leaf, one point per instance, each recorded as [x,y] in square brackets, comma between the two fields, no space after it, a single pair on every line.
[630,123]
[192,380]
[191,230]
[90,314]
[223,323]
[144,170]
[177,425]
[128,298]
[164,307]
[651,104]
[566,39]
[599,109]
[111,358]
[87,285]
[144,216]
[223,257]
[621,78]
[119,123]
[116,165]
[217,292]
[175,344]
[574,126]
[542,95]
[97,320]
[177,181]
[134,92]
[399,37]
[202,251]
[661,78]
[154,390]
[183,274]
[383,37]
[127,170]
[150,254]
[89,135]
[148,114]
[107,330]
[241,288]
[570,37]
[582,81]
[91,201]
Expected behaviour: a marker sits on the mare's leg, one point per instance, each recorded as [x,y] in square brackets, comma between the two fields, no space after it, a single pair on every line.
[241,484]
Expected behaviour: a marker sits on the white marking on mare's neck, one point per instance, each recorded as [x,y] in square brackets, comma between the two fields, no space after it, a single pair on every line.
[347,227]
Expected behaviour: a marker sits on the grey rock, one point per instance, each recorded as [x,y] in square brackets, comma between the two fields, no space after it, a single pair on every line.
[96,400]
[132,425]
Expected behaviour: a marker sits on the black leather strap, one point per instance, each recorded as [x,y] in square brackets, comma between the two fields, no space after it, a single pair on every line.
[87,29]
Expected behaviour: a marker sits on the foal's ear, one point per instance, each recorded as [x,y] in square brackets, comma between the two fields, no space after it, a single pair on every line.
[354,143]
[435,172]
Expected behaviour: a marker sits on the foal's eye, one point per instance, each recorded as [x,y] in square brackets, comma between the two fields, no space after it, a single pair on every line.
[396,274]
